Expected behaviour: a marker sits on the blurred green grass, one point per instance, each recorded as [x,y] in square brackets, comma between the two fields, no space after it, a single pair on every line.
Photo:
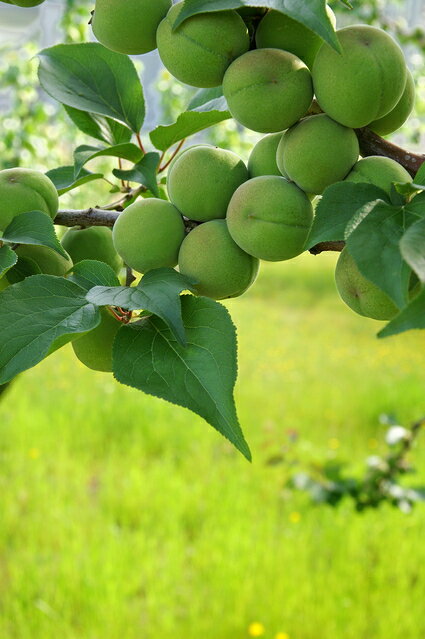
[123,517]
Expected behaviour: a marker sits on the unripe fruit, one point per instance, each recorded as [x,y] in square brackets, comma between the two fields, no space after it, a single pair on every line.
[219,268]
[317,152]
[94,243]
[359,293]
[94,349]
[398,116]
[379,171]
[363,83]
[27,3]
[278,31]
[130,26]
[268,90]
[270,218]
[202,181]
[23,190]
[46,259]
[262,160]
[148,235]
[199,51]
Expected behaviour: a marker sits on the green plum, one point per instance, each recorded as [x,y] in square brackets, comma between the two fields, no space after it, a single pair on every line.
[94,349]
[23,190]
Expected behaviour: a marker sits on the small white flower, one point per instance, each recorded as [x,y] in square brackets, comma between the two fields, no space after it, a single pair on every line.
[396,434]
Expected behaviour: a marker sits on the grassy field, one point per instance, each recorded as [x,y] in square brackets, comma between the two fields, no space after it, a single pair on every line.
[123,517]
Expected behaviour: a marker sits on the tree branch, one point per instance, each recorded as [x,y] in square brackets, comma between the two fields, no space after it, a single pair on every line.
[86,217]
[373,144]
[327,246]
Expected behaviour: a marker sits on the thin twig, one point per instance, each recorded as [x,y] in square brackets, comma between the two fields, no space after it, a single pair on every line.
[173,155]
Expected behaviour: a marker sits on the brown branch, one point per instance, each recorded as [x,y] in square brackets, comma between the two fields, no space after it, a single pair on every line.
[87,217]
[373,144]
[326,246]
[172,156]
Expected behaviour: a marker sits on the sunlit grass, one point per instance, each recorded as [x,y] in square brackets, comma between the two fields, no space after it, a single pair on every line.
[124,517]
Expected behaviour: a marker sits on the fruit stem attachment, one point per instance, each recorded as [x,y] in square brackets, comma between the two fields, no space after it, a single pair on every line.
[172,156]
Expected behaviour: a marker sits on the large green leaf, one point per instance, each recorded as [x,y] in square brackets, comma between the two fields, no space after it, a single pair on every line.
[374,243]
[8,258]
[91,273]
[417,205]
[208,100]
[200,377]
[144,172]
[99,126]
[412,246]
[311,13]
[64,180]
[35,314]
[158,292]
[188,123]
[337,206]
[91,78]
[33,227]
[85,153]
[411,317]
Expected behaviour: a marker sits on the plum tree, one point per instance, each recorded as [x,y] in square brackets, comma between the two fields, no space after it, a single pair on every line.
[359,293]
[278,31]
[398,116]
[365,81]
[202,181]
[268,90]
[128,27]
[94,349]
[148,235]
[262,160]
[93,243]
[270,218]
[379,171]
[45,259]
[317,152]
[23,190]
[199,51]
[217,265]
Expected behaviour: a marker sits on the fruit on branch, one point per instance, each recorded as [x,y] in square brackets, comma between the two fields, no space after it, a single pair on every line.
[203,179]
[365,82]
[128,27]
[398,116]
[268,90]
[199,51]
[262,160]
[359,293]
[148,235]
[317,152]
[26,3]
[23,190]
[94,349]
[38,259]
[380,171]
[278,31]
[94,243]
[217,265]
[270,218]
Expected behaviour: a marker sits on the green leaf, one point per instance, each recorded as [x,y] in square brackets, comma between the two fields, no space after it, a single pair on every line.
[375,246]
[85,153]
[417,205]
[420,175]
[8,258]
[158,292]
[200,377]
[311,13]
[188,123]
[412,246]
[91,78]
[64,180]
[24,267]
[208,100]
[34,314]
[99,127]
[91,273]
[337,207]
[411,317]
[144,172]
[36,228]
